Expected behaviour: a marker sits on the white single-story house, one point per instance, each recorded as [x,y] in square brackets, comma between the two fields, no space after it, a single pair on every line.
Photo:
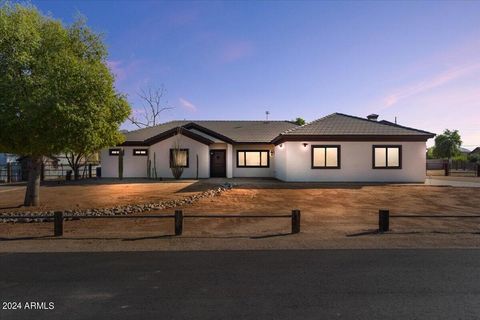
[335,148]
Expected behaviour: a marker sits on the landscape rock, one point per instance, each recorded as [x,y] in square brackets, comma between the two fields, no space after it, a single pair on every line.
[47,216]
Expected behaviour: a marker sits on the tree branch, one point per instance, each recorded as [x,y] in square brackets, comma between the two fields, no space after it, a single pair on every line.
[153,107]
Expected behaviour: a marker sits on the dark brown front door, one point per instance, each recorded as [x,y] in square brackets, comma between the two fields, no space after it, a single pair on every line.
[218,164]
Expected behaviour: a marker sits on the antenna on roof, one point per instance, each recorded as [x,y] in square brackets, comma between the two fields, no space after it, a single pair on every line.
[266,114]
[395,119]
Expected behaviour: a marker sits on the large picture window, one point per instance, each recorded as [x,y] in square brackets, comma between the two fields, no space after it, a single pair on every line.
[326,157]
[253,159]
[179,157]
[387,157]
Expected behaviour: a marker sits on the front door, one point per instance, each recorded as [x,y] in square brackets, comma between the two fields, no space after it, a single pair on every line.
[218,164]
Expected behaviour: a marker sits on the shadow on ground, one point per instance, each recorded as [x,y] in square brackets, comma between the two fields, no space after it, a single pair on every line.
[165,236]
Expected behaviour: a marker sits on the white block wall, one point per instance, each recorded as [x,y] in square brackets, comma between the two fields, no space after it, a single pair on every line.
[293,163]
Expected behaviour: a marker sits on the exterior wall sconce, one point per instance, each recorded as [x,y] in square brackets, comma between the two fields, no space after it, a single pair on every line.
[305,144]
[272,153]
[280,145]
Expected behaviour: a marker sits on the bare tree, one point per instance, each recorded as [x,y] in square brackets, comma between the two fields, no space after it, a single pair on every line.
[78,160]
[153,106]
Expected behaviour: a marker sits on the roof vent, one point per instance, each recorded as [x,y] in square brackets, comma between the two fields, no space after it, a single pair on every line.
[372,117]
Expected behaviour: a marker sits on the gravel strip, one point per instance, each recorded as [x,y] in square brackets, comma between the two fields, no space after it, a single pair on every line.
[117,210]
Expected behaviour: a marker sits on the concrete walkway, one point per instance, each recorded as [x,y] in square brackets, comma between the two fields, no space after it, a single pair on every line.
[453,181]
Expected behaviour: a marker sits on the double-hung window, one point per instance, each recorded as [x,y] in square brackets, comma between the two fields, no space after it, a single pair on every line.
[253,159]
[326,157]
[387,157]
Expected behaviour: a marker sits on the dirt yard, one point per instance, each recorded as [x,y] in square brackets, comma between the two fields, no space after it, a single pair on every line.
[98,194]
[339,216]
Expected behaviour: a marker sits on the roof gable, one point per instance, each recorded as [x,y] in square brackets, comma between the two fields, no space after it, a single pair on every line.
[227,131]
[339,124]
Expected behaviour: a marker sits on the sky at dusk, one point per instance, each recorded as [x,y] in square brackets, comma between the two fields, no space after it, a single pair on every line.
[418,61]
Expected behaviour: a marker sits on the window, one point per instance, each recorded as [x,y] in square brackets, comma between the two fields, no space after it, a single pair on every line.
[326,157]
[114,152]
[179,157]
[253,158]
[387,157]
[140,152]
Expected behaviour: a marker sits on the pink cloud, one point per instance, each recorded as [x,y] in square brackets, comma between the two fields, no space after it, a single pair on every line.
[430,83]
[121,69]
[236,50]
[187,105]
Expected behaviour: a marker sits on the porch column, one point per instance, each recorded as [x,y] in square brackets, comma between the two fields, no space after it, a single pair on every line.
[229,159]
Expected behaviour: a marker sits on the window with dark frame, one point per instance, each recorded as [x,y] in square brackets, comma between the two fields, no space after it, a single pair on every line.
[387,157]
[179,156]
[114,152]
[325,157]
[253,158]
[140,152]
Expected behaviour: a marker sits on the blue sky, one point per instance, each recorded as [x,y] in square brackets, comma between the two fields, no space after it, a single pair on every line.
[418,61]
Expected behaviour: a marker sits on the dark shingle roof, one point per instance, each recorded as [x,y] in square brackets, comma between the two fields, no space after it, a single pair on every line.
[238,131]
[342,124]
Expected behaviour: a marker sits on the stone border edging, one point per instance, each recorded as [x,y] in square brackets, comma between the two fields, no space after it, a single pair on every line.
[117,210]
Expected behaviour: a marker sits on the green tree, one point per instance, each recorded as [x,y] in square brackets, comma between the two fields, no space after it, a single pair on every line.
[447,144]
[474,157]
[56,92]
[430,153]
[299,121]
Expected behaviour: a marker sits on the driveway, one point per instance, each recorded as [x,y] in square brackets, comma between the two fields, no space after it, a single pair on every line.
[321,284]
[473,182]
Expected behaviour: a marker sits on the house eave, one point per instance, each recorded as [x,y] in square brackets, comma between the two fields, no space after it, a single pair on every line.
[168,134]
[284,138]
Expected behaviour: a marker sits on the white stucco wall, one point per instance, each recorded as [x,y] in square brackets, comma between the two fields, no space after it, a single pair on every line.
[253,172]
[294,163]
[136,166]
[133,166]
[162,151]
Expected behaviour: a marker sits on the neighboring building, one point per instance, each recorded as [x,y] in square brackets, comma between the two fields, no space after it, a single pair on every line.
[337,147]
[464,151]
[7,158]
[475,151]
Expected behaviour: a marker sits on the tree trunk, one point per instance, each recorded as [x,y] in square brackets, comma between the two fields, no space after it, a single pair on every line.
[32,195]
[76,173]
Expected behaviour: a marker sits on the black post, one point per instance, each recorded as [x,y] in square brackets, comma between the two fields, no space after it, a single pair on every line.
[383,220]
[178,222]
[58,223]
[90,170]
[446,165]
[478,169]
[295,221]
[9,172]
